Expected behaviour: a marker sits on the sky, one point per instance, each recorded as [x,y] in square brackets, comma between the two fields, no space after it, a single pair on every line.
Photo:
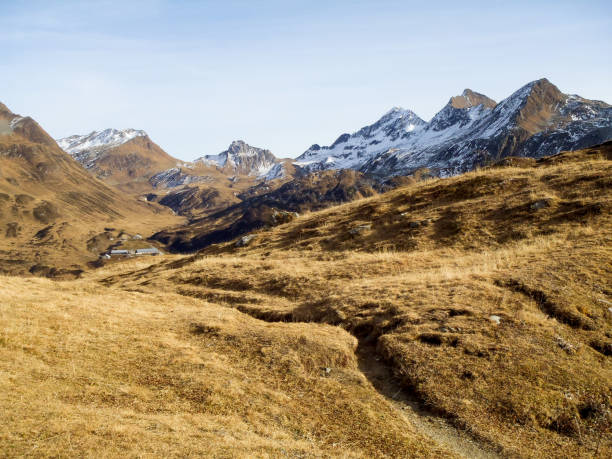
[284,75]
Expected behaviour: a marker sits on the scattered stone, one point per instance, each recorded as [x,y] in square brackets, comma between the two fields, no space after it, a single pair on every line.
[280,217]
[360,229]
[136,236]
[326,370]
[404,214]
[495,319]
[541,204]
[245,240]
[414,224]
[567,347]
[425,222]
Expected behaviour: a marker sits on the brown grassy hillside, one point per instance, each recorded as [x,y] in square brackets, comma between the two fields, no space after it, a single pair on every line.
[198,190]
[129,166]
[461,317]
[92,371]
[50,206]
[258,204]
[487,295]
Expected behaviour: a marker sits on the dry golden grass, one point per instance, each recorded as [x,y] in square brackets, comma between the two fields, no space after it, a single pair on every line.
[221,353]
[537,383]
[93,371]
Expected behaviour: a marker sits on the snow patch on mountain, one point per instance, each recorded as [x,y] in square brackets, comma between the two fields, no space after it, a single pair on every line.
[242,158]
[105,139]
[15,121]
[470,130]
[175,177]
[275,172]
[349,151]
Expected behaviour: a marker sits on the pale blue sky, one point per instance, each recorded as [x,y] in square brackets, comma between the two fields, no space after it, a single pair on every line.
[284,74]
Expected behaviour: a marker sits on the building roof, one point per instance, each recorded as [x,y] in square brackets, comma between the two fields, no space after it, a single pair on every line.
[148,250]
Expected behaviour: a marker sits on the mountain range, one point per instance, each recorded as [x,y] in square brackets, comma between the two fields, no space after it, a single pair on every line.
[129,159]
[470,131]
[233,192]
[354,302]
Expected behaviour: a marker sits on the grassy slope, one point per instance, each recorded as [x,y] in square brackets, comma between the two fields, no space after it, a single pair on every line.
[128,166]
[536,384]
[91,371]
[306,193]
[131,355]
[50,206]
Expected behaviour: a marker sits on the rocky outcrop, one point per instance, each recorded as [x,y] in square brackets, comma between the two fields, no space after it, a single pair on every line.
[242,159]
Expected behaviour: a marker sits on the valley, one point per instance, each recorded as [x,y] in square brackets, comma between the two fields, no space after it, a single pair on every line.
[417,289]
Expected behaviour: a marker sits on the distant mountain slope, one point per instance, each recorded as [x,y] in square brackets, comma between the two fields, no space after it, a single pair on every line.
[214,182]
[471,130]
[125,158]
[50,205]
[310,192]
[128,160]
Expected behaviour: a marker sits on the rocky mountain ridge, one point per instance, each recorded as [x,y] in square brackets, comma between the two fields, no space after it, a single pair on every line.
[128,158]
[241,158]
[471,130]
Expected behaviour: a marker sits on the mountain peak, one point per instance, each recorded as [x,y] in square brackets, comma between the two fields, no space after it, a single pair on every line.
[4,109]
[398,112]
[106,138]
[537,87]
[469,98]
[241,148]
[24,126]
[544,86]
[395,109]
[242,158]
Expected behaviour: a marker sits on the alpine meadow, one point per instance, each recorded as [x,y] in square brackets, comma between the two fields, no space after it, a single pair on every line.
[436,283]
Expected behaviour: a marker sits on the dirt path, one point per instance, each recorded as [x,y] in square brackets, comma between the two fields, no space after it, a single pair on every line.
[435,427]
[408,407]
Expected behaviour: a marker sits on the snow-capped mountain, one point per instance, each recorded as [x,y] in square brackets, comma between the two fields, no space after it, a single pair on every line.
[126,158]
[241,158]
[351,151]
[84,147]
[471,130]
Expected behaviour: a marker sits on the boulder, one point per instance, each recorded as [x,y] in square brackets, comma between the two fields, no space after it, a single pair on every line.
[245,240]
[280,217]
[495,319]
[567,347]
[540,204]
[360,229]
